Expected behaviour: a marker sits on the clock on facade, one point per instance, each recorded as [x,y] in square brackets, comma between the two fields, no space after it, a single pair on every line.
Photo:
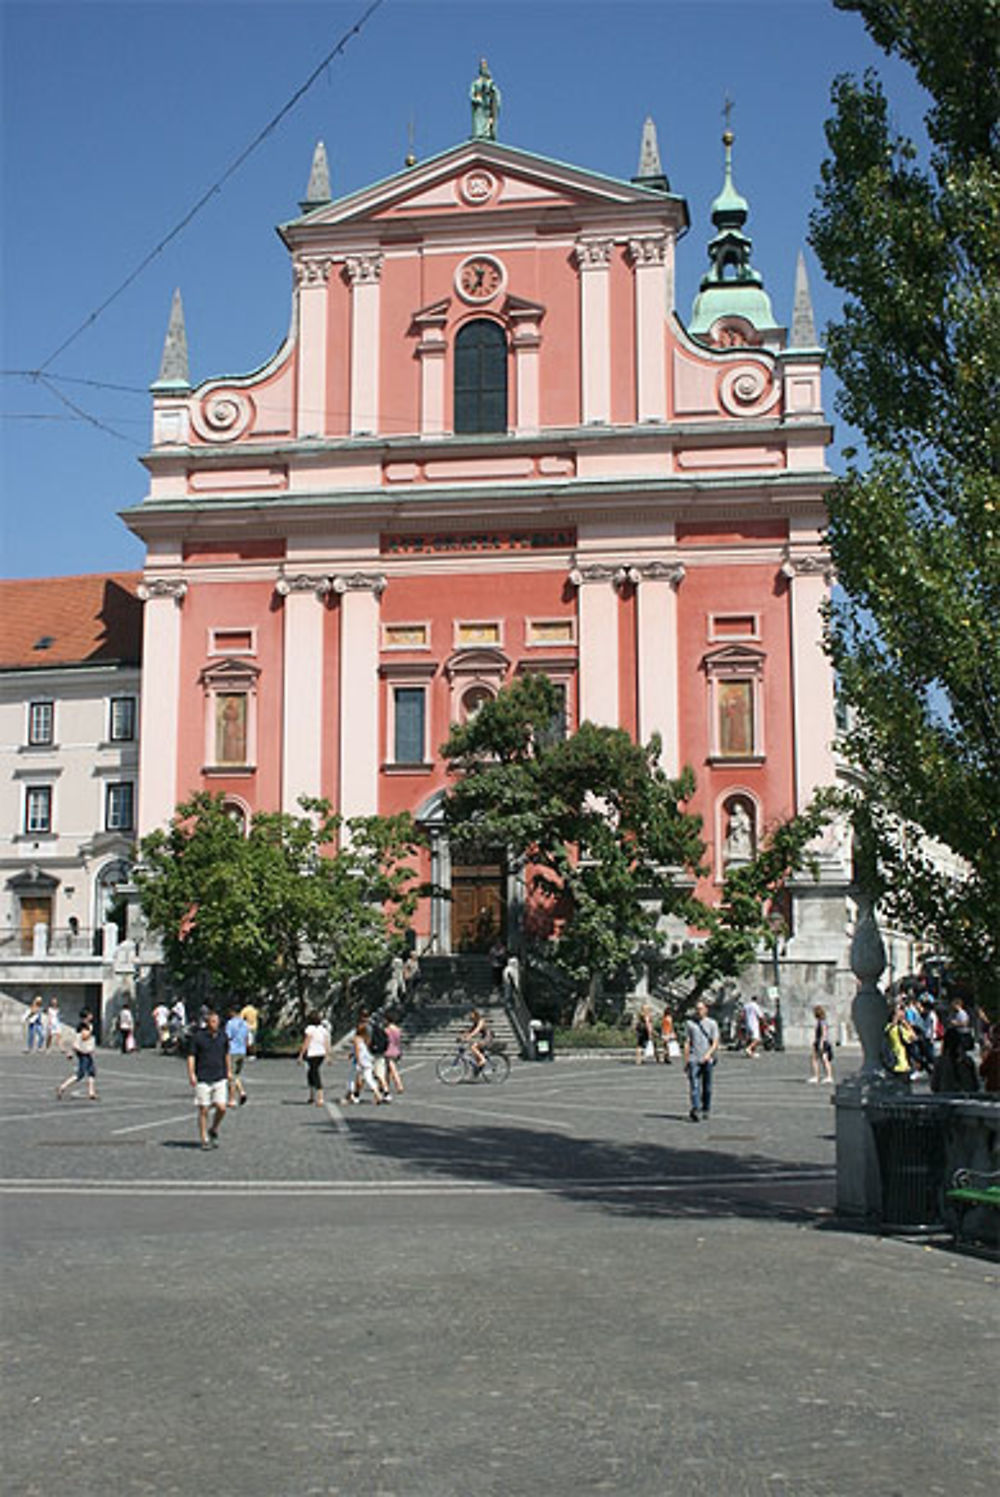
[479,278]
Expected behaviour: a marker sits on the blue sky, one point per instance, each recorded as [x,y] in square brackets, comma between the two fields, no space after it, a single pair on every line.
[117,117]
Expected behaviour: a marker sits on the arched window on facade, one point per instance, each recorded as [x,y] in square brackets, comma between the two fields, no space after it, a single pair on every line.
[481,377]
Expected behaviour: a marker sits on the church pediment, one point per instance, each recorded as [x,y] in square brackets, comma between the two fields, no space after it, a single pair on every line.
[487,176]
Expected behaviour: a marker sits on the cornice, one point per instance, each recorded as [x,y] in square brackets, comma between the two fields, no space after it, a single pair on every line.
[710,432]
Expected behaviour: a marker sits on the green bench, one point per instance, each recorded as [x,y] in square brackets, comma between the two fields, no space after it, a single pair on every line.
[971,1189]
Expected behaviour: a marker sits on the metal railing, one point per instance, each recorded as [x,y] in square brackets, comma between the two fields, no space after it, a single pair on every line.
[53,943]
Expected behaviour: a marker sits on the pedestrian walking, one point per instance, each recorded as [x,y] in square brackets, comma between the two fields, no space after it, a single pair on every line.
[498,961]
[314,1049]
[378,1044]
[751,1027]
[209,1074]
[701,1046]
[53,1024]
[34,1019]
[822,1050]
[161,1019]
[238,1035]
[394,1053]
[645,1046]
[83,1054]
[250,1016]
[411,976]
[365,1071]
[670,1049]
[954,1070]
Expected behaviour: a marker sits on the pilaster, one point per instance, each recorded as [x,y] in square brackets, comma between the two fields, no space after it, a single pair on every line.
[812,680]
[360,594]
[312,273]
[302,708]
[161,653]
[597,617]
[649,255]
[593,257]
[656,599]
[364,271]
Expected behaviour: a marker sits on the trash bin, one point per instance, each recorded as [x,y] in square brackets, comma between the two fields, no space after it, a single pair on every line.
[909,1142]
[544,1038]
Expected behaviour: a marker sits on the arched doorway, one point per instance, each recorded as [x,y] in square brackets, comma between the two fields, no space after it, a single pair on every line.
[475,893]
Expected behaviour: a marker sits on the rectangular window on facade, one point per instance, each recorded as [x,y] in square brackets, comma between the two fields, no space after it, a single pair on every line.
[556,730]
[122,719]
[118,808]
[409,717]
[41,719]
[735,700]
[232,642]
[231,727]
[38,808]
[733,626]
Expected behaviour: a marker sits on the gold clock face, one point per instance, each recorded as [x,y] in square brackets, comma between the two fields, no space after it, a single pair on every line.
[479,279]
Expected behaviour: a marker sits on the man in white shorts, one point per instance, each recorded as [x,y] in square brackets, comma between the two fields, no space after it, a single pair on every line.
[210,1074]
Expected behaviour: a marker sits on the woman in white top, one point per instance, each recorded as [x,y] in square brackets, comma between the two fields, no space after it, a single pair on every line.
[314,1050]
[53,1025]
[363,1061]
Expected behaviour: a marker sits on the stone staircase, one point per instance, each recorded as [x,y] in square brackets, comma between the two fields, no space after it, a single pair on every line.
[449,987]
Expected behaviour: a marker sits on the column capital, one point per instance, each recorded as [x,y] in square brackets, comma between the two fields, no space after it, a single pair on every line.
[662,571]
[593,254]
[809,564]
[597,571]
[649,249]
[163,587]
[312,270]
[364,269]
[302,582]
[360,582]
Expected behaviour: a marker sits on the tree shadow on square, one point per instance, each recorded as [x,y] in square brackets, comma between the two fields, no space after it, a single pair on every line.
[626,1179]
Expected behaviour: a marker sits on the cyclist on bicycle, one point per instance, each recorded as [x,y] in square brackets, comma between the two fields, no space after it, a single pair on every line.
[478,1038]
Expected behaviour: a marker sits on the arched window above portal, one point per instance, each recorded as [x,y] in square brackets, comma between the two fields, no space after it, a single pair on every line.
[480,403]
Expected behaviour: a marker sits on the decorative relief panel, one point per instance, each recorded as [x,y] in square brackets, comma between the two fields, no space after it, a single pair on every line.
[478,187]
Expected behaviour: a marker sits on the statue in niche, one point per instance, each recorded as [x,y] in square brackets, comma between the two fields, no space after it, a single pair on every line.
[485,98]
[739,834]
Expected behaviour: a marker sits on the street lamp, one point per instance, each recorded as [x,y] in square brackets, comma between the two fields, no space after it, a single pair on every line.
[778,929]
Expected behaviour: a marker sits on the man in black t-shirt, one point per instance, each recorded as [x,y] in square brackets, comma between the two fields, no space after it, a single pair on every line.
[210,1073]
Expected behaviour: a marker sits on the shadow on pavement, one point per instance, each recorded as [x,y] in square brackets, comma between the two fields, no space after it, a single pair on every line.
[650,1180]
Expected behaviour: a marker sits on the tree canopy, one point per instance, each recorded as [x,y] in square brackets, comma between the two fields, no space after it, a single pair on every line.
[911,235]
[287,909]
[606,841]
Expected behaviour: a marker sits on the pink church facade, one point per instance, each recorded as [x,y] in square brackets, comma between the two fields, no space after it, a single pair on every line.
[491,445]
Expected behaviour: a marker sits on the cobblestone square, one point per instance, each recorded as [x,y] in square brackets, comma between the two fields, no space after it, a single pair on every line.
[560,1285]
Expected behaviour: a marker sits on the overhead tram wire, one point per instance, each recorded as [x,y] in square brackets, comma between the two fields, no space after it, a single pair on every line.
[210,192]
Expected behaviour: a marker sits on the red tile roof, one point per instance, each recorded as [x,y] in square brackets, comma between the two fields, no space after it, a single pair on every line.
[94,620]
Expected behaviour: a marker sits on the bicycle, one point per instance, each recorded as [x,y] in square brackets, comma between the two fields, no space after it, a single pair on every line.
[461,1066]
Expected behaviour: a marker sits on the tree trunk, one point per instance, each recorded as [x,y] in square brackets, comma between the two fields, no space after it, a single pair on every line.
[586,1004]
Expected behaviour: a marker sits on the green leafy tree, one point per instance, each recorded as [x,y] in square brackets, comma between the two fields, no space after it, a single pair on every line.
[604,836]
[289,911]
[913,240]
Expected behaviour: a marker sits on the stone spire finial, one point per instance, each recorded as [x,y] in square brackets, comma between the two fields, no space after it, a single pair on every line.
[650,173]
[731,287]
[803,322]
[318,191]
[174,373]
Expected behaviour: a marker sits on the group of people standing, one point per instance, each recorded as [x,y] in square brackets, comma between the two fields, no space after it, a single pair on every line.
[920,1039]
[42,1024]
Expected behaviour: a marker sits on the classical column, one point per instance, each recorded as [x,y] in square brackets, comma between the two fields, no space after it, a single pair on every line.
[302,707]
[656,599]
[593,257]
[159,712]
[364,273]
[597,613]
[649,256]
[312,273]
[360,593]
[812,676]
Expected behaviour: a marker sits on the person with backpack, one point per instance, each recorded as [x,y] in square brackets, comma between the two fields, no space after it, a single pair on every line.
[378,1044]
